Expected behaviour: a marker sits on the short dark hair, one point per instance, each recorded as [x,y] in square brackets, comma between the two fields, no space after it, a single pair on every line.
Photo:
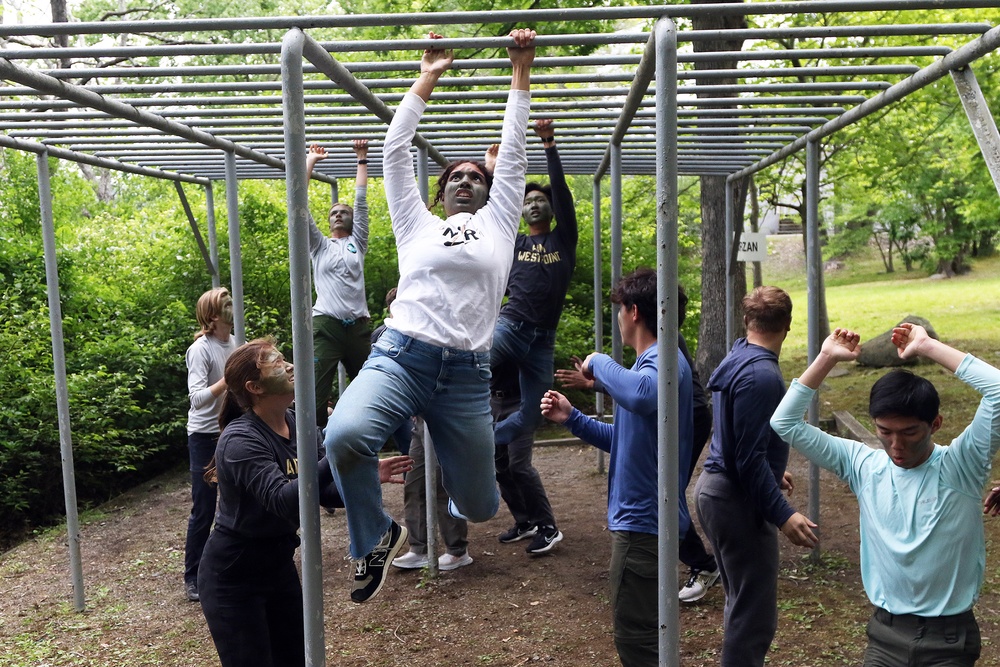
[443,178]
[682,305]
[538,187]
[768,309]
[639,289]
[901,393]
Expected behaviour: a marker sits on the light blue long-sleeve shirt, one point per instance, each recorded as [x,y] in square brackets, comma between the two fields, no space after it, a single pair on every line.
[922,545]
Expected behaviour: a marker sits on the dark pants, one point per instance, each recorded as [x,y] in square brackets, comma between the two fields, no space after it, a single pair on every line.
[201,449]
[746,549]
[520,484]
[252,600]
[905,640]
[335,342]
[691,550]
[634,600]
[454,531]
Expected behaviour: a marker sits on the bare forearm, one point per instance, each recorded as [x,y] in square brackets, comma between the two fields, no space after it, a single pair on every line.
[424,85]
[521,77]
[942,353]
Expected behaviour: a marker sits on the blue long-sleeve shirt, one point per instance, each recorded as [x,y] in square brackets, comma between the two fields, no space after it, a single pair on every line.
[746,388]
[631,440]
[922,545]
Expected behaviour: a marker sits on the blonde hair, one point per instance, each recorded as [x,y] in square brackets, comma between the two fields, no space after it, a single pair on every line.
[209,307]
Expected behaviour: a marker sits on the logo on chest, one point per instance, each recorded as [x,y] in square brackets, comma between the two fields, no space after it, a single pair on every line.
[458,235]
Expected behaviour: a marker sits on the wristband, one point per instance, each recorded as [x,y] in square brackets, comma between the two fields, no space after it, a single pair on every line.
[548,140]
[365,161]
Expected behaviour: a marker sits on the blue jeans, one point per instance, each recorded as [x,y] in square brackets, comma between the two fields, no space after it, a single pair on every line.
[201,449]
[532,350]
[403,376]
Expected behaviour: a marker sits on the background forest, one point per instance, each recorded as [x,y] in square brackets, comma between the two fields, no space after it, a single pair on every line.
[910,181]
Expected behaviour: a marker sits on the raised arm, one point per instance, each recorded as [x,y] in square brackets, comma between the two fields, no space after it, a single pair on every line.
[361,150]
[841,345]
[360,231]
[911,340]
[521,58]
[563,208]
[314,155]
[433,64]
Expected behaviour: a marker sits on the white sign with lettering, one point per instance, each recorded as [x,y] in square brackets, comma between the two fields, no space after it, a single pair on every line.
[753,247]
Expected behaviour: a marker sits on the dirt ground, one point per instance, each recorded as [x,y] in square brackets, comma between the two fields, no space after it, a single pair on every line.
[505,609]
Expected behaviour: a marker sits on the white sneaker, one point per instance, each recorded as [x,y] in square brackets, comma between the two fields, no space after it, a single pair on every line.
[411,560]
[449,562]
[697,585]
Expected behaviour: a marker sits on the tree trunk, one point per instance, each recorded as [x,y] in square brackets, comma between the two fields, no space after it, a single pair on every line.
[712,334]
[758,278]
[60,14]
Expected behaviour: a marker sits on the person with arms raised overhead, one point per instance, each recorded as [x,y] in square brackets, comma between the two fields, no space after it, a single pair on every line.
[525,336]
[923,551]
[433,358]
[341,324]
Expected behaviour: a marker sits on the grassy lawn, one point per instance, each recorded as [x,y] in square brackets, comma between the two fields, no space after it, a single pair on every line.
[964,310]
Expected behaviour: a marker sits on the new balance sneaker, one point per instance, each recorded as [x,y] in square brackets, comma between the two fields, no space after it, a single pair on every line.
[521,531]
[369,572]
[544,540]
[449,562]
[411,560]
[698,584]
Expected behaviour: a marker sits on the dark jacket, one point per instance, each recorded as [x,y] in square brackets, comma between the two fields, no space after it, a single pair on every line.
[746,389]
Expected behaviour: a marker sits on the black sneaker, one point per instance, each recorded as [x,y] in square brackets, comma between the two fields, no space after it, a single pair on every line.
[519,532]
[545,539]
[369,572]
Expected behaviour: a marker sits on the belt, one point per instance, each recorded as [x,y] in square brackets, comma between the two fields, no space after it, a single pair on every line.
[351,323]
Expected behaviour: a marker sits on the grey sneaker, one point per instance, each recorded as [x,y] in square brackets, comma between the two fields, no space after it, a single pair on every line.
[698,584]
[369,572]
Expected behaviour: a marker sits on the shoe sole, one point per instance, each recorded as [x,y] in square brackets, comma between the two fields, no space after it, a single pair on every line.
[411,566]
[389,557]
[548,547]
[689,600]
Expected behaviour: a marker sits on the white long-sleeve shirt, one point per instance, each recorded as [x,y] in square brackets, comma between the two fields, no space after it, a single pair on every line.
[339,266]
[206,362]
[453,272]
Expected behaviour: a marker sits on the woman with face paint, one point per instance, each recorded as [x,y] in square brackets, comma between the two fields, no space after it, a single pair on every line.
[206,360]
[434,357]
[341,324]
[250,590]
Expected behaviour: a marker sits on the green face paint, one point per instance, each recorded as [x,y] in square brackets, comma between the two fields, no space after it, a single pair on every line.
[226,314]
[277,375]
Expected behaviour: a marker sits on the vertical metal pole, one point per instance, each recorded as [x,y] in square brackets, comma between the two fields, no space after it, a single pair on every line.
[598,306]
[616,245]
[213,236]
[334,192]
[668,432]
[814,264]
[983,124]
[297,189]
[235,249]
[430,458]
[59,369]
[730,232]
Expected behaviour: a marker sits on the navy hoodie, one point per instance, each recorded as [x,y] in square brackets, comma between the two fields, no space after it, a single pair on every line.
[746,389]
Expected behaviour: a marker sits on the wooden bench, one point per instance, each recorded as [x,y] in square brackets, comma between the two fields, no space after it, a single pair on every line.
[849,427]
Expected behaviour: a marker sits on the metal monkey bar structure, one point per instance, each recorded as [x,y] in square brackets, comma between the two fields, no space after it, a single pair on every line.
[648,99]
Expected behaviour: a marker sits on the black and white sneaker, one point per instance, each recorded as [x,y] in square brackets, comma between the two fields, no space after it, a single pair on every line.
[370,571]
[545,540]
[521,531]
